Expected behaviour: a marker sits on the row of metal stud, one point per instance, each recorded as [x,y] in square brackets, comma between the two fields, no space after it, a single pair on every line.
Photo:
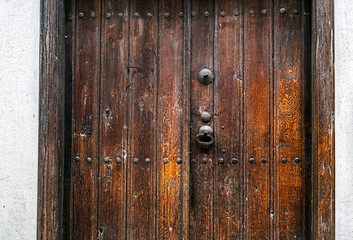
[119,160]
[181,14]
[179,161]
[235,161]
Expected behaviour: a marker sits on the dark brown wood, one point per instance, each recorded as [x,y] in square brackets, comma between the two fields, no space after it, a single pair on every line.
[142,120]
[131,91]
[228,118]
[169,120]
[85,124]
[201,195]
[257,119]
[51,121]
[289,110]
[323,173]
[113,114]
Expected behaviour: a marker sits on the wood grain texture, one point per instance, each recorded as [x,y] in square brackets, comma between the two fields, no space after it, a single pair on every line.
[257,119]
[289,120]
[51,121]
[201,198]
[142,119]
[323,120]
[228,118]
[169,120]
[113,114]
[85,123]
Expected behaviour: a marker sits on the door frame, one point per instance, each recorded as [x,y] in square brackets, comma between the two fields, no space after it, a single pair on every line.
[52,121]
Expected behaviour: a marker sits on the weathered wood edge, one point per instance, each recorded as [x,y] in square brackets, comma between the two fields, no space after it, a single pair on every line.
[323,197]
[51,103]
[51,120]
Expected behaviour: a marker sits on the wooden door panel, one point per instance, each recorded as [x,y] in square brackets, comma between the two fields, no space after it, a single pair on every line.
[289,126]
[136,110]
[202,185]
[142,120]
[228,119]
[257,118]
[113,119]
[169,120]
[85,112]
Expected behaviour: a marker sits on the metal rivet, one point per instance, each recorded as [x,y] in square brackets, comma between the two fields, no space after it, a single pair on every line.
[234,161]
[77,159]
[121,15]
[223,151]
[207,14]
[296,160]
[222,127]
[296,12]
[223,14]
[108,15]
[205,117]
[193,161]
[179,161]
[148,160]
[193,14]
[107,159]
[283,160]
[166,14]
[149,15]
[252,160]
[165,160]
[282,10]
[93,14]
[118,160]
[264,160]
[263,11]
[181,14]
[251,12]
[89,159]
[136,15]
[66,37]
[306,14]
[236,13]
[204,160]
[221,160]
[136,160]
[80,15]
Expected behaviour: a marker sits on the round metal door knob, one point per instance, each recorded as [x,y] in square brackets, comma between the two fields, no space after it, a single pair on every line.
[205,117]
[205,76]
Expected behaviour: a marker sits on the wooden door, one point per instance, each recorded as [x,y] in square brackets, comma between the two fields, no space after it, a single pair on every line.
[144,78]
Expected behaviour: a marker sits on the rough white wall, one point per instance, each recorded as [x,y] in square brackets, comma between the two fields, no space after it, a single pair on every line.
[344,118]
[19,68]
[19,54]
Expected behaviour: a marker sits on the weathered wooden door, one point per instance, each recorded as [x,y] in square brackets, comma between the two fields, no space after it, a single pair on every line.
[188,119]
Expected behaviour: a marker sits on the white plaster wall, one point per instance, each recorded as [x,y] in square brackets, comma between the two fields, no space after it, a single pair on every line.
[19,58]
[344,118]
[19,69]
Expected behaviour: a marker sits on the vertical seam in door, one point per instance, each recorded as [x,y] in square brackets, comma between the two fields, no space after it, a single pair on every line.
[100,89]
[156,45]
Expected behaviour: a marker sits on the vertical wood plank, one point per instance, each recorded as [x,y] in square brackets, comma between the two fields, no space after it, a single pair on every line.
[113,119]
[257,117]
[169,120]
[85,120]
[323,120]
[186,119]
[202,43]
[289,159]
[142,119]
[228,118]
[69,60]
[51,117]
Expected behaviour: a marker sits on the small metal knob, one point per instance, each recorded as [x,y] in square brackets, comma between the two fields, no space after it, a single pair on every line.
[205,76]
